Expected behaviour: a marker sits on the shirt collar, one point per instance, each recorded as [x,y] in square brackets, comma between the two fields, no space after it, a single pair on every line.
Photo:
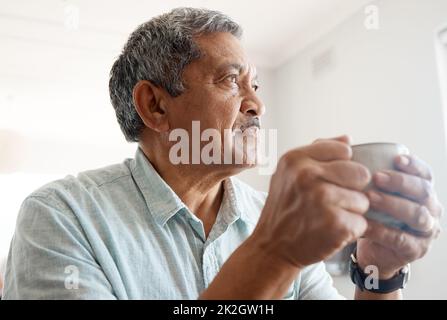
[234,198]
[163,203]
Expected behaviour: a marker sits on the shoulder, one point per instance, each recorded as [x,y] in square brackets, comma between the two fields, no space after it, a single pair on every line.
[63,192]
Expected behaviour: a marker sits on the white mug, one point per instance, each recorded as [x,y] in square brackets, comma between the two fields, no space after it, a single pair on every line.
[377,157]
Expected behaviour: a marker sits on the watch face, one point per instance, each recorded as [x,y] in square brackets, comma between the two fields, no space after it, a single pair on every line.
[406,269]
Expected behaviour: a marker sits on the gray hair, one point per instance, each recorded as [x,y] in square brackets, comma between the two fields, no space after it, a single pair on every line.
[158,51]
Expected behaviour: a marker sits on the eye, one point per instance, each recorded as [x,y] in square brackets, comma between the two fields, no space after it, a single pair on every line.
[255,87]
[232,78]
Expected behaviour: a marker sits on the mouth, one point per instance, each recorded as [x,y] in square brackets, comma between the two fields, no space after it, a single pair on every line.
[252,125]
[253,130]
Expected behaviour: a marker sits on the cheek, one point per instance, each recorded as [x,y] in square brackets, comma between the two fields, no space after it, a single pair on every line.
[230,108]
[221,112]
[212,107]
[228,115]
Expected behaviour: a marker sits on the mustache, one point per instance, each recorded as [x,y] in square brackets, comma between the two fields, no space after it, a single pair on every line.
[252,122]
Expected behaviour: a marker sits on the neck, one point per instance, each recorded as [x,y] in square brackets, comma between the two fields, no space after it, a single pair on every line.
[199,187]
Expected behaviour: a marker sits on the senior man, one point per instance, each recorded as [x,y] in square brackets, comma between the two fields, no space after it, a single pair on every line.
[152,229]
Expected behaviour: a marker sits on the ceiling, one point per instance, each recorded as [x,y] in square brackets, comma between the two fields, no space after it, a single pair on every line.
[274,30]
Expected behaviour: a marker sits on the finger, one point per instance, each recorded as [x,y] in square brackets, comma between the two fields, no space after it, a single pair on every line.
[437,231]
[327,150]
[402,243]
[330,195]
[347,174]
[435,207]
[432,234]
[416,216]
[409,186]
[347,226]
[414,166]
[344,138]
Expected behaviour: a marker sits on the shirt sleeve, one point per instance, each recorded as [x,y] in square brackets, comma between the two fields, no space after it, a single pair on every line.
[50,257]
[316,284]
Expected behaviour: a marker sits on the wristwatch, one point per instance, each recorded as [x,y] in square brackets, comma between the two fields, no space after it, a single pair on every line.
[366,282]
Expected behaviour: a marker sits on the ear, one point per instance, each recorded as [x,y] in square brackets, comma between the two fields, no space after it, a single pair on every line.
[148,101]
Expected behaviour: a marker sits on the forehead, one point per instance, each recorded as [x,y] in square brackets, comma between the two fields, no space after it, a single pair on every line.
[222,51]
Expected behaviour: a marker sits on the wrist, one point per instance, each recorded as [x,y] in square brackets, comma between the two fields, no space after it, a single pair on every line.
[366,260]
[251,273]
[383,274]
[271,271]
[266,254]
[369,280]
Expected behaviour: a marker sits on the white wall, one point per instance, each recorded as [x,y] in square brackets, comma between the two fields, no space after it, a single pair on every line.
[56,119]
[376,86]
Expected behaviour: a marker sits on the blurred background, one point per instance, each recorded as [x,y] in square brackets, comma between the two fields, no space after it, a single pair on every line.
[376,70]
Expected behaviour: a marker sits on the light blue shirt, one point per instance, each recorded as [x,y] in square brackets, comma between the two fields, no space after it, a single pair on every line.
[121,233]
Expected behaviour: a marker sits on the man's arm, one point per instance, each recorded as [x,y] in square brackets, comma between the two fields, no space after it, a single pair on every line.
[314,209]
[251,273]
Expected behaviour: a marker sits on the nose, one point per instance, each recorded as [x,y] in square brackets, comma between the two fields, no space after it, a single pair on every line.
[252,105]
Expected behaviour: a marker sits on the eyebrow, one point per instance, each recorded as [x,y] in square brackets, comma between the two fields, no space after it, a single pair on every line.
[226,66]
[236,66]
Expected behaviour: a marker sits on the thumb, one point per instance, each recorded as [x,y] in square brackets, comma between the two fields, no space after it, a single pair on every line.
[344,139]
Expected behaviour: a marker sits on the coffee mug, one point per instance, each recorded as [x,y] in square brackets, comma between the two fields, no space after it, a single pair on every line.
[377,157]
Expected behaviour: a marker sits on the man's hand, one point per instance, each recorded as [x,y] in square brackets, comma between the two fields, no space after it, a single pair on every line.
[315,205]
[407,195]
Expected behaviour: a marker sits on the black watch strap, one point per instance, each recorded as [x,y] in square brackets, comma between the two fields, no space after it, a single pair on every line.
[364,283]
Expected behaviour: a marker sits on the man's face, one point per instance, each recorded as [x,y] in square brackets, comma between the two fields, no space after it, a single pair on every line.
[221,94]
